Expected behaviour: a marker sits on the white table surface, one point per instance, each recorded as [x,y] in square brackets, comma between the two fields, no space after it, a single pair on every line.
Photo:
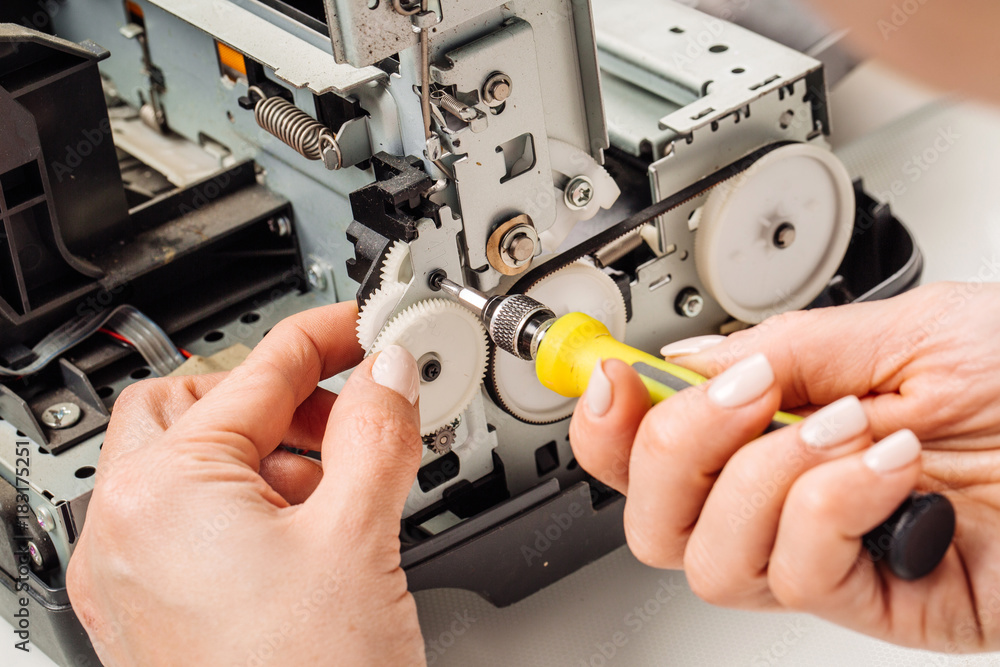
[953,208]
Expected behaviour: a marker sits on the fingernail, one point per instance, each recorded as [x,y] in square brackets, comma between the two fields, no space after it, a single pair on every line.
[396,369]
[691,345]
[598,394]
[835,424]
[893,452]
[742,383]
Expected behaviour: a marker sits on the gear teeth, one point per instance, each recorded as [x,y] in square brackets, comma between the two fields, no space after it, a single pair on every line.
[397,264]
[513,383]
[438,326]
[376,313]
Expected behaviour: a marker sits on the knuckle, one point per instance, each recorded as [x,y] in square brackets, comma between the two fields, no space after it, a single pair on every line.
[815,502]
[789,589]
[669,425]
[714,582]
[136,396]
[703,584]
[645,549]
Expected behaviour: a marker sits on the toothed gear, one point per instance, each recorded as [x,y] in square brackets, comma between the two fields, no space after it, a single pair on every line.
[579,287]
[376,312]
[397,267]
[457,339]
[441,442]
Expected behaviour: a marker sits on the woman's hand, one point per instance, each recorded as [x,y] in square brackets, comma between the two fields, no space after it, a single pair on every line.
[776,522]
[205,544]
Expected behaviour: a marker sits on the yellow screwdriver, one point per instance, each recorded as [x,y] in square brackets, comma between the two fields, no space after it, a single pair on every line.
[912,542]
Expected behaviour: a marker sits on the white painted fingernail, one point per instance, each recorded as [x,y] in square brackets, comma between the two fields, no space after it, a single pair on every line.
[598,394]
[691,345]
[396,369]
[893,452]
[742,383]
[835,424]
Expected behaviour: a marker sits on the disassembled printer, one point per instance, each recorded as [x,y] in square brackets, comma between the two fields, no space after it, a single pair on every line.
[180,175]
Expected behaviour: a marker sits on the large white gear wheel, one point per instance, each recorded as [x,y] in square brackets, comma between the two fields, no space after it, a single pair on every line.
[454,336]
[579,287]
[376,311]
[799,193]
[397,267]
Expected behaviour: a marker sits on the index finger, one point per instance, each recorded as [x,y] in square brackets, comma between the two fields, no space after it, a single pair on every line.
[251,409]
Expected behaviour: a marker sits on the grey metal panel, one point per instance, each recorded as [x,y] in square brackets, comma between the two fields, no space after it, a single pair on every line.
[100,20]
[300,63]
[726,65]
[363,36]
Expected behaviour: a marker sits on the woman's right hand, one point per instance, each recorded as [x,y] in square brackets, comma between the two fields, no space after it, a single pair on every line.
[927,361]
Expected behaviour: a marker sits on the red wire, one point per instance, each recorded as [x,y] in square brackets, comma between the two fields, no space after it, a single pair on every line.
[119,337]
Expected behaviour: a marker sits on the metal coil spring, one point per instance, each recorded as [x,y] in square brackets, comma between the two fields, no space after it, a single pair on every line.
[295,127]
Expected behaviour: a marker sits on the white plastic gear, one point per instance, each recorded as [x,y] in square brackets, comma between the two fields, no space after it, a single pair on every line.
[735,253]
[397,267]
[456,337]
[376,311]
[579,287]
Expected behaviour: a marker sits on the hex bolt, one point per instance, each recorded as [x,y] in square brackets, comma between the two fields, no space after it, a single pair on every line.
[497,89]
[316,276]
[61,415]
[36,554]
[46,521]
[784,235]
[522,248]
[518,245]
[579,192]
[689,302]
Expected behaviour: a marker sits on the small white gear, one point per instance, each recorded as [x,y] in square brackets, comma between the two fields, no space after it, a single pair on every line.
[376,311]
[579,287]
[454,337]
[397,267]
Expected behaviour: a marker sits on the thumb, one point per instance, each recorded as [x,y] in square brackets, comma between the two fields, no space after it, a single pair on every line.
[372,446]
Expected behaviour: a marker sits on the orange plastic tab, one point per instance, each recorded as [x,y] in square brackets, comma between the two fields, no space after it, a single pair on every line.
[231,59]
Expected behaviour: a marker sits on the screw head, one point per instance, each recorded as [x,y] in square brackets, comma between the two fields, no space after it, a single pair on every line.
[61,415]
[431,371]
[46,521]
[316,276]
[784,235]
[690,303]
[497,89]
[579,192]
[36,554]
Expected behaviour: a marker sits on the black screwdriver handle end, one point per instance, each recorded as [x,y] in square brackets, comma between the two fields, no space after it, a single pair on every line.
[913,541]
